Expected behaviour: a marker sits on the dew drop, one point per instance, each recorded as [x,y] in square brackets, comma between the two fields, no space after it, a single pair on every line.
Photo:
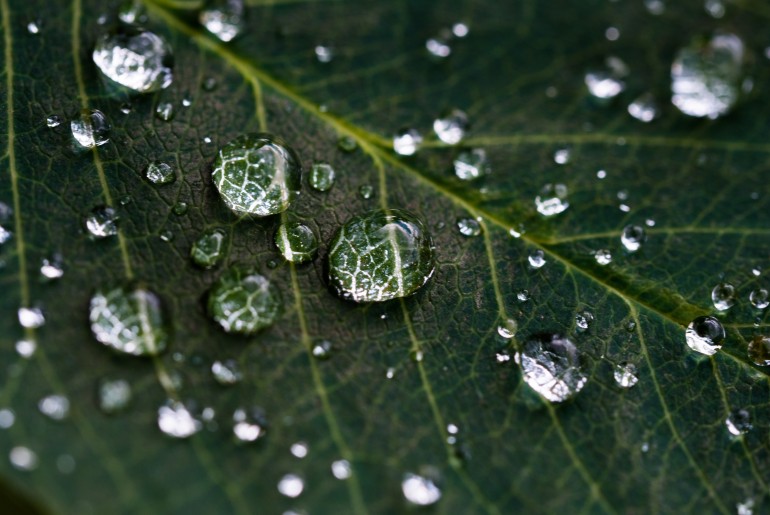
[341,469]
[23,458]
[607,83]
[347,144]
[129,320]
[291,485]
[91,129]
[210,83]
[296,241]
[705,335]
[33,27]
[223,18]
[51,269]
[438,47]
[137,59]
[322,349]
[26,348]
[226,373]
[5,235]
[469,227]
[248,425]
[550,365]
[257,174]
[603,257]
[522,296]
[507,329]
[380,255]
[644,108]
[53,121]
[715,8]
[7,418]
[366,191]
[175,420]
[114,395]
[166,235]
[745,508]
[321,177]
[31,318]
[102,222]
[407,141]
[299,449]
[451,126]
[159,173]
[655,7]
[552,200]
[759,350]
[632,237]
[561,156]
[759,298]
[420,490]
[243,301]
[165,111]
[723,296]
[738,422]
[536,259]
[180,208]
[324,54]
[625,375]
[132,12]
[460,30]
[55,407]
[583,320]
[471,164]
[209,249]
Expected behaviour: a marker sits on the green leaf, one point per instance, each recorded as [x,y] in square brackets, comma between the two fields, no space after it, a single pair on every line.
[661,446]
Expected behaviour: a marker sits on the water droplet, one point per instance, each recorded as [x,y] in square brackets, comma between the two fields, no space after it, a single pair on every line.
[341,469]
[390,373]
[91,129]
[291,485]
[160,173]
[125,200]
[165,111]
[723,296]
[745,508]
[471,164]
[655,7]
[705,335]
[51,269]
[296,241]
[451,126]
[601,174]
[166,235]
[507,329]
[33,27]
[324,54]
[738,422]
[380,255]
[522,296]
[706,76]
[603,257]
[759,298]
[537,259]
[469,227]
[347,144]
[460,30]
[248,425]
[438,47]
[53,121]
[242,301]
[420,490]
[132,12]
[102,222]
[321,177]
[129,320]
[26,348]
[299,450]
[175,420]
[55,407]
[31,318]
[209,249]
[366,191]
[223,18]
[715,8]
[503,357]
[407,141]
[114,395]
[612,34]
[7,418]
[550,365]
[607,83]
[583,320]
[226,372]
[644,108]
[180,208]
[416,355]
[552,200]
[625,375]
[323,349]
[137,59]
[5,235]
[257,174]
[759,350]
[561,156]
[23,458]
[632,237]
[210,83]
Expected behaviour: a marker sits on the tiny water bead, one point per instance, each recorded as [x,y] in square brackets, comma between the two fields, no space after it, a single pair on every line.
[738,422]
[366,191]
[451,126]
[175,420]
[52,268]
[561,156]
[159,173]
[706,76]
[420,490]
[347,144]
[603,257]
[705,335]
[604,84]
[291,485]
[31,318]
[625,375]
[299,449]
[438,47]
[53,121]
[471,164]
[406,142]
[537,259]
[257,174]
[341,469]
[55,407]
[165,111]
[137,59]
[129,320]
[469,227]
[226,372]
[223,18]
[248,425]
[180,208]
[324,53]
[321,177]
[507,329]
[209,249]
[90,129]
[102,222]
[552,200]
[132,12]
[632,237]
[23,458]
[550,365]
[243,301]
[644,108]
[26,348]
[379,256]
[296,241]
[583,321]
[759,350]
[723,296]
[759,298]
[323,349]
[114,395]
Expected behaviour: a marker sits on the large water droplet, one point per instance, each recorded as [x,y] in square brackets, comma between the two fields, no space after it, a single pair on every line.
[759,350]
[321,177]
[160,173]
[705,335]
[723,296]
[137,59]
[175,420]
[632,237]
[450,127]
[583,321]
[248,424]
[291,485]
[90,129]
[243,301]
[552,200]
[550,365]
[223,18]
[471,164]
[26,348]
[209,249]
[407,141]
[507,329]
[738,422]
[759,298]
[625,375]
[420,490]
[380,255]
[706,76]
[129,320]
[55,407]
[114,395]
[257,174]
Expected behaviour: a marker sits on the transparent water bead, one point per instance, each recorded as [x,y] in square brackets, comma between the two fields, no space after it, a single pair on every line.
[31,318]
[347,144]
[7,418]
[291,485]
[341,469]
[226,372]
[438,47]
[55,407]
[745,508]
[52,268]
[632,237]
[102,222]
[536,259]
[258,174]
[723,296]
[583,321]
[324,53]
[248,425]
[715,8]
[26,348]
[407,141]
[5,235]
[90,129]
[759,350]
[705,335]
[165,111]
[507,329]
[420,490]
[321,177]
[644,108]
[603,84]
[550,365]
[132,12]
[379,256]
[471,164]
[223,18]
[23,458]
[552,200]
[603,257]
[129,320]
[706,76]
[159,173]
[625,375]
[114,395]
[136,59]
[53,121]
[469,227]
[243,301]
[366,191]
[561,156]
[738,422]
[209,249]
[451,126]
[175,420]
[759,298]
[323,349]
[299,449]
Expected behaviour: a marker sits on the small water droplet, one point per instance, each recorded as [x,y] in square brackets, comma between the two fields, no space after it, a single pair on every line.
[243,301]
[738,422]
[416,355]
[705,335]
[226,372]
[291,485]
[26,348]
[366,191]
[91,129]
[715,8]
[128,320]
[133,12]
[347,144]
[114,395]
[507,329]
[420,490]
[536,259]
[603,257]
[745,508]
[550,365]
[165,111]
[53,121]
[644,108]
[223,18]
[471,164]
[390,373]
[210,83]
[33,27]
[522,296]
[322,349]
[23,458]
[612,34]
[502,357]
[134,58]
[167,235]
[324,54]
[632,237]
[561,156]
[759,350]
[723,296]
[469,227]
[655,7]
[759,298]
[321,177]
[175,420]
[299,449]
[52,268]
[451,126]
[5,235]
[607,83]
[125,200]
[7,418]
[31,318]
[341,469]
[248,424]
[552,200]
[257,174]
[209,249]
[438,47]
[296,241]
[55,407]
[180,208]
[460,30]
[102,222]
[583,320]
[160,173]
[407,141]
[625,375]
